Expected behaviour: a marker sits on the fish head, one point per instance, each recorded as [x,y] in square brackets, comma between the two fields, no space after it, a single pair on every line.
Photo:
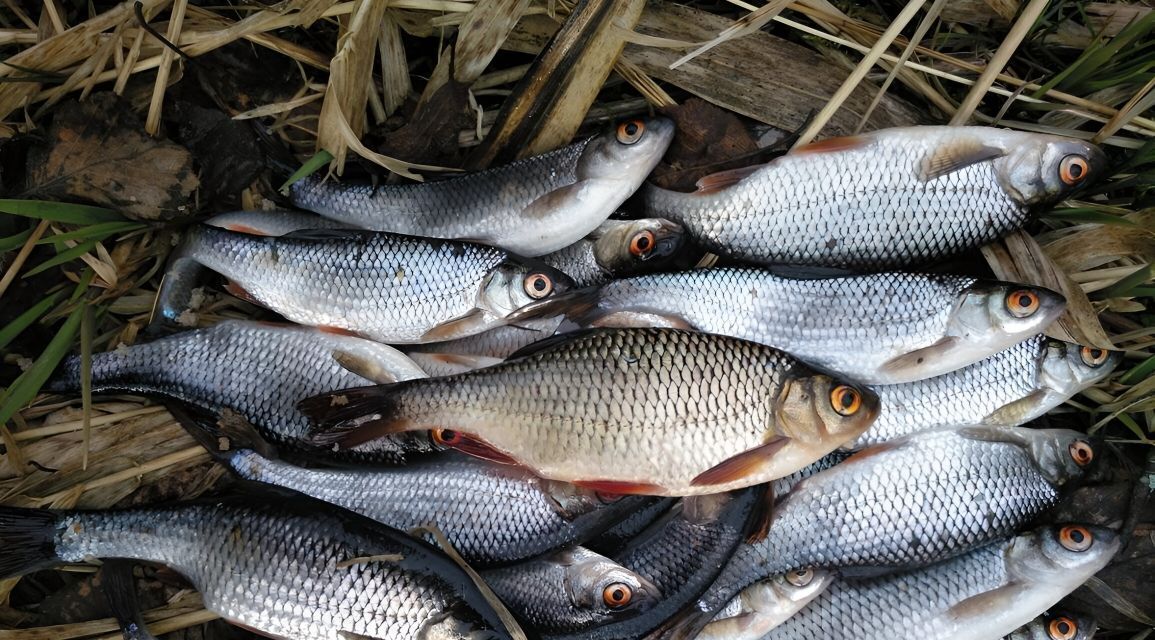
[518,285]
[1061,455]
[1059,553]
[819,408]
[627,154]
[1068,368]
[990,315]
[789,591]
[1040,168]
[623,247]
[604,590]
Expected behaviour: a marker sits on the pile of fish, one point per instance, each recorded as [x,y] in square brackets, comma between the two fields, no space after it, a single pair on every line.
[575,436]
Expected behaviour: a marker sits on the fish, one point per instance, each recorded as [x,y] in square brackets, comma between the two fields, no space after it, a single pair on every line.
[272,223]
[484,349]
[907,503]
[982,595]
[258,371]
[385,287]
[492,514]
[531,207]
[281,564]
[618,248]
[1056,625]
[893,198]
[767,604]
[613,540]
[119,589]
[571,591]
[682,553]
[651,411]
[884,328]
[1010,388]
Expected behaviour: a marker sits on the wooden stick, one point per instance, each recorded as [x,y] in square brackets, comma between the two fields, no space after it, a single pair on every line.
[175,22]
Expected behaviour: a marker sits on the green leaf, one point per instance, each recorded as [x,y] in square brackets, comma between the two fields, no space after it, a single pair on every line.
[1132,425]
[319,159]
[1087,215]
[25,320]
[1139,372]
[94,231]
[60,211]
[1126,286]
[11,242]
[29,383]
[64,256]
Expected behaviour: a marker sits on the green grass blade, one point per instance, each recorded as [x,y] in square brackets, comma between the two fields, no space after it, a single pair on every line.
[1140,372]
[25,320]
[94,231]
[12,242]
[1126,286]
[319,159]
[60,211]
[1088,215]
[29,383]
[64,256]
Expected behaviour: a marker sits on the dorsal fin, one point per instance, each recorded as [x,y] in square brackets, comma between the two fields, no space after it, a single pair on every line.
[722,179]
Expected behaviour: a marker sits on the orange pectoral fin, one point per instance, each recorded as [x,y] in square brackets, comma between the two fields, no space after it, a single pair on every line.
[741,466]
[622,488]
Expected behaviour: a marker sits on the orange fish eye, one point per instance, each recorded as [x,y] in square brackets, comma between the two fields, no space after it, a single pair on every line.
[538,285]
[631,131]
[617,595]
[446,437]
[846,400]
[1062,628]
[1022,303]
[1081,452]
[800,578]
[641,243]
[1093,357]
[1075,538]
[1073,169]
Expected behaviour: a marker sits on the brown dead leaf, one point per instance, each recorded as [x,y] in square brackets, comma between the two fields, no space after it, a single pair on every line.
[1093,245]
[1018,258]
[97,151]
[709,140]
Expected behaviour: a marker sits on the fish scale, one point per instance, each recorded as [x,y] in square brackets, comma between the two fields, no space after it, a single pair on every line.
[259,370]
[877,201]
[907,503]
[283,567]
[858,326]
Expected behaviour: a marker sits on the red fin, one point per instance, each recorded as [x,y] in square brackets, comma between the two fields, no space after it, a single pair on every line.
[478,448]
[740,466]
[830,145]
[619,487]
[759,525]
[722,179]
[339,331]
[239,291]
[244,228]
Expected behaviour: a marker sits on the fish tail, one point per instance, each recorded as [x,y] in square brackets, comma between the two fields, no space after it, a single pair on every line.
[351,417]
[182,276]
[27,540]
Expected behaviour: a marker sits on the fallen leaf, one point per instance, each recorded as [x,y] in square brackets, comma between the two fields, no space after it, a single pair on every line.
[709,140]
[97,151]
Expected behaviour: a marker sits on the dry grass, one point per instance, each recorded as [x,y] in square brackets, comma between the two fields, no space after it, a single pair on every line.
[357,68]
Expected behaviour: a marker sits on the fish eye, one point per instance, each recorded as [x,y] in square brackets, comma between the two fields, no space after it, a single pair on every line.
[1075,538]
[1073,169]
[846,400]
[641,243]
[1093,357]
[1022,303]
[538,285]
[446,437]
[630,132]
[1062,628]
[617,595]
[800,578]
[1081,452]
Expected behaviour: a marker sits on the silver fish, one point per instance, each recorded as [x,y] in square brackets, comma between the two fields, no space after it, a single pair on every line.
[887,199]
[883,328]
[652,411]
[390,288]
[1010,388]
[618,248]
[572,591]
[481,350]
[767,604]
[531,207]
[285,566]
[908,503]
[982,595]
[258,370]
[1056,625]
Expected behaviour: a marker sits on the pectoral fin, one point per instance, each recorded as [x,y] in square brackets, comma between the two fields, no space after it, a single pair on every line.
[365,367]
[919,357]
[467,324]
[1015,413]
[722,179]
[741,466]
[949,158]
[640,318]
[554,201]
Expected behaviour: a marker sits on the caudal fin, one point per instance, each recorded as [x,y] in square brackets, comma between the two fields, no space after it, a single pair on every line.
[222,433]
[350,417]
[27,540]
